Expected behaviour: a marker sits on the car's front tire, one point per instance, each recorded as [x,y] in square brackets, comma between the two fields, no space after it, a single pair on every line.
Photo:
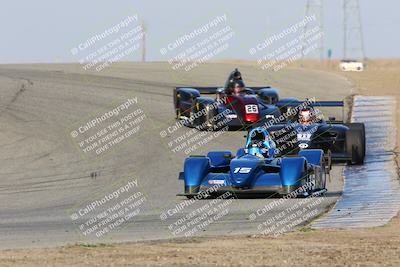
[207,120]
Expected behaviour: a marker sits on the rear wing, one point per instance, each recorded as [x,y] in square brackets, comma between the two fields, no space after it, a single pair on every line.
[214,90]
[295,103]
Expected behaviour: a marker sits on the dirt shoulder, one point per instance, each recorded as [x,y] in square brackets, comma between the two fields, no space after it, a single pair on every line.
[360,247]
[367,247]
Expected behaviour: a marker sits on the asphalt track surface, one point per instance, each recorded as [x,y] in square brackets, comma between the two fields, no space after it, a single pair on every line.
[45,178]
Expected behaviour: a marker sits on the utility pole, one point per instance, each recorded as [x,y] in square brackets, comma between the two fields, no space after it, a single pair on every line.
[353,40]
[144,31]
[314,8]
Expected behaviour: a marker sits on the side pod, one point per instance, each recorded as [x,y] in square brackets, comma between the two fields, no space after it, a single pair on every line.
[195,169]
[292,172]
[313,156]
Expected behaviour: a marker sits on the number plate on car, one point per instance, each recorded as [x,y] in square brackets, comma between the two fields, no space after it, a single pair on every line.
[251,109]
[304,136]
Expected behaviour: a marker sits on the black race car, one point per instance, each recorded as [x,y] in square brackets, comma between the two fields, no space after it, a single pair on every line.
[344,142]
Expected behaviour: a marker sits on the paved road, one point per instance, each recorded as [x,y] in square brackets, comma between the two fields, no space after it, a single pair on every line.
[46,178]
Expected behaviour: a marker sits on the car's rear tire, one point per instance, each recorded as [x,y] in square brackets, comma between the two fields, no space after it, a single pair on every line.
[355,143]
[321,174]
[177,113]
[193,121]
[328,161]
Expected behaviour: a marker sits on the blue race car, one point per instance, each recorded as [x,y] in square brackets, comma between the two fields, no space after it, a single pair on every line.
[256,170]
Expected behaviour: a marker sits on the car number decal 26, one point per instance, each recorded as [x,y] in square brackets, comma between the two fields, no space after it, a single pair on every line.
[251,109]
[242,170]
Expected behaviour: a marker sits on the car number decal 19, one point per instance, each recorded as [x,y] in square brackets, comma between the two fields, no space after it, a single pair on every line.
[242,170]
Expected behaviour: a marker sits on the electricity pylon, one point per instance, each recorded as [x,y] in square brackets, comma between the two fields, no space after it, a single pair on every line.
[144,31]
[353,41]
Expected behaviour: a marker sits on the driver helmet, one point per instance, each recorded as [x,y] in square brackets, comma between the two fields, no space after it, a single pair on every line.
[236,87]
[260,143]
[307,116]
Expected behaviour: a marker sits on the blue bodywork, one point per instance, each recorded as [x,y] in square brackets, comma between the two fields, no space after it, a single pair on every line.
[254,171]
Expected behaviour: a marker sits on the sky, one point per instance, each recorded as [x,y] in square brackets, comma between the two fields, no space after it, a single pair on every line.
[47,30]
